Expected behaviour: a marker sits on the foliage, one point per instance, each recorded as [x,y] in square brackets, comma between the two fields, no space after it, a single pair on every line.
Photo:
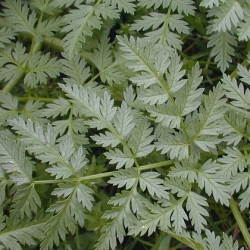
[124,118]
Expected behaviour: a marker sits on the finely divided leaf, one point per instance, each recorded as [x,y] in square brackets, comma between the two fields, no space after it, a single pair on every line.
[195,205]
[79,24]
[14,161]
[26,201]
[75,69]
[222,43]
[214,182]
[6,35]
[228,15]
[239,95]
[20,16]
[121,158]
[141,139]
[39,68]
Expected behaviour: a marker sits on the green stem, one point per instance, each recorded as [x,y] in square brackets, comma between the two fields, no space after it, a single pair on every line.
[240,221]
[12,83]
[108,174]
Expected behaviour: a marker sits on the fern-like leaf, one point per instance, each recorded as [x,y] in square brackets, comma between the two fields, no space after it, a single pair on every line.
[16,232]
[68,212]
[240,97]
[20,16]
[14,161]
[39,67]
[214,182]
[26,201]
[6,35]
[229,14]
[222,43]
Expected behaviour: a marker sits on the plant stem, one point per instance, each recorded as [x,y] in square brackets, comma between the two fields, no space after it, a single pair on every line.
[108,174]
[240,221]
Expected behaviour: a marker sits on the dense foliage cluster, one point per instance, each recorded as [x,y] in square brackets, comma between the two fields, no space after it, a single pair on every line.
[124,124]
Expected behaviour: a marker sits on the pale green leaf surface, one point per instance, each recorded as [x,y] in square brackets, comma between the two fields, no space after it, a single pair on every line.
[213,182]
[79,24]
[124,177]
[227,16]
[141,139]
[40,67]
[26,201]
[59,106]
[22,232]
[20,16]
[14,161]
[154,185]
[196,205]
[223,44]
[233,162]
[121,158]
[76,70]
[127,6]
[6,35]
[239,95]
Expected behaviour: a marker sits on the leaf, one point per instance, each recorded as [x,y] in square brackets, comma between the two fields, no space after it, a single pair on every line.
[240,96]
[39,68]
[39,142]
[153,20]
[8,108]
[102,54]
[141,139]
[205,126]
[121,217]
[122,158]
[222,43]
[26,201]
[176,23]
[181,6]
[59,106]
[20,16]
[211,3]
[244,74]
[68,212]
[107,139]
[123,120]
[228,15]
[124,177]
[233,162]
[213,182]
[229,244]
[12,61]
[154,185]
[79,24]
[185,169]
[189,97]
[175,73]
[244,29]
[150,67]
[71,160]
[19,232]
[76,70]
[235,127]
[195,205]
[14,161]
[6,35]
[173,144]
[123,5]
[153,95]
[166,115]
[67,3]
[240,180]
[48,28]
